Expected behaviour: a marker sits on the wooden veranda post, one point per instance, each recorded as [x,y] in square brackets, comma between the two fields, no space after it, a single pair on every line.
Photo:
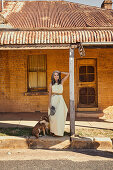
[71,86]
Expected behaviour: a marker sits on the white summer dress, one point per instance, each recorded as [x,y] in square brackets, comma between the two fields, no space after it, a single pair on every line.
[57,121]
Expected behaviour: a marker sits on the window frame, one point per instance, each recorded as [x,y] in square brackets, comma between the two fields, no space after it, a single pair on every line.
[43,90]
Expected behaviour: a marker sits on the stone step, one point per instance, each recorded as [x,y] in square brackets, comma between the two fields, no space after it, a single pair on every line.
[45,142]
[89,114]
[91,142]
[54,143]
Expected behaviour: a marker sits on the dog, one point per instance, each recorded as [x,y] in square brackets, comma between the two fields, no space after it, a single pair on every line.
[41,127]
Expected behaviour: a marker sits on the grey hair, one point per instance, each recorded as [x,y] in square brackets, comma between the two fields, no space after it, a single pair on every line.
[52,77]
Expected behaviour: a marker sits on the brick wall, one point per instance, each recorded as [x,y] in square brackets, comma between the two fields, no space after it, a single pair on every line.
[13,78]
[105,78]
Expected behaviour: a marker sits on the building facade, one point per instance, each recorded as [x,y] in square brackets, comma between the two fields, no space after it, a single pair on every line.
[34,43]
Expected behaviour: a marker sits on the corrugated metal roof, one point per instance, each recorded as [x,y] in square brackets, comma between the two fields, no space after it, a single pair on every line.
[55,14]
[0,5]
[54,22]
[54,37]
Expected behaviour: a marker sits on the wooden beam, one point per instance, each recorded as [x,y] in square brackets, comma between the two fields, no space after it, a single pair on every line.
[72,96]
[36,46]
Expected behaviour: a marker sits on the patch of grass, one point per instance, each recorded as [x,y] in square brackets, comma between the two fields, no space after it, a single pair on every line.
[15,131]
[20,132]
[83,132]
[94,132]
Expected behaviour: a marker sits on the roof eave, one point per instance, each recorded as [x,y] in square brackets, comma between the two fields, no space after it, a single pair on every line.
[56,29]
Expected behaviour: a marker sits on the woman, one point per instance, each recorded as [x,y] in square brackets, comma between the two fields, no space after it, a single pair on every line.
[57,121]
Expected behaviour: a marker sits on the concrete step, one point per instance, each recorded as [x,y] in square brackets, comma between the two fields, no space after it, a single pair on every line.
[54,143]
[45,142]
[89,114]
[91,142]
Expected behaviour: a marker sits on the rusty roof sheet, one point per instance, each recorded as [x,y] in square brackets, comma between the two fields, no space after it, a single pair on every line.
[55,14]
[54,37]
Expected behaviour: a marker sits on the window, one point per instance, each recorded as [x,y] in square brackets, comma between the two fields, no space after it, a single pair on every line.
[87,95]
[37,73]
[86,73]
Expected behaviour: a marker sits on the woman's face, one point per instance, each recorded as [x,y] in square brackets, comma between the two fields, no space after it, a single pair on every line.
[56,76]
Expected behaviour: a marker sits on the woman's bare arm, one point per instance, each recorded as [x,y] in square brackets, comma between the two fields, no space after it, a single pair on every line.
[49,101]
[65,78]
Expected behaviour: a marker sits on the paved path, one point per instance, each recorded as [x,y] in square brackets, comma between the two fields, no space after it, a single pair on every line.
[30,119]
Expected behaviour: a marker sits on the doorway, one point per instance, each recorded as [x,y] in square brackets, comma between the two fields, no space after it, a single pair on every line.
[86,83]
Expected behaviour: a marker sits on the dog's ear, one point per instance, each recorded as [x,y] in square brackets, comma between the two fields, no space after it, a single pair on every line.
[41,118]
[46,118]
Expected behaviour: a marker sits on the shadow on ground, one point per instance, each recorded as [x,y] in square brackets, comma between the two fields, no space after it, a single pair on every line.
[94,152]
[30,116]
